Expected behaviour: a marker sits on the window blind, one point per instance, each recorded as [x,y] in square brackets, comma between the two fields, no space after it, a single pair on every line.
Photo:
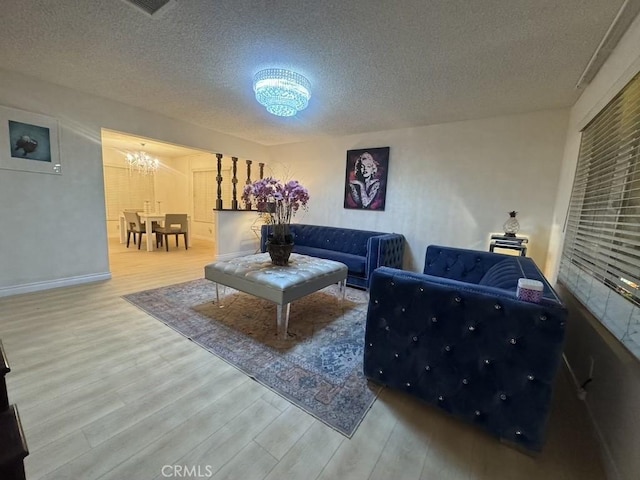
[204,195]
[600,261]
[125,190]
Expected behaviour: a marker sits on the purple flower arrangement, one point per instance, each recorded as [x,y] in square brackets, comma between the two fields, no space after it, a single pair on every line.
[280,201]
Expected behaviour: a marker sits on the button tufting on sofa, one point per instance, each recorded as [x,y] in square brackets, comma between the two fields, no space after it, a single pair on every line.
[361,251]
[461,330]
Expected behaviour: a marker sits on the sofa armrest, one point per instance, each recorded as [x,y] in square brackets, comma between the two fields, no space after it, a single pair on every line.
[384,250]
[477,352]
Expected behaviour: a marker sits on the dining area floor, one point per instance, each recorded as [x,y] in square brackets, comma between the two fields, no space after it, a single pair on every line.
[125,261]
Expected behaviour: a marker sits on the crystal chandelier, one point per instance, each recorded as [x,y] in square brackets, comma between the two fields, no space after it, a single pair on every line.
[142,162]
[282,92]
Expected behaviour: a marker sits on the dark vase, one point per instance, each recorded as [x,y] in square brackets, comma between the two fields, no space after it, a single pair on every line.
[279,252]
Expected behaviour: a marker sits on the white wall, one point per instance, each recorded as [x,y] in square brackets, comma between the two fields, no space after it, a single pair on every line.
[614,395]
[54,229]
[234,236]
[449,184]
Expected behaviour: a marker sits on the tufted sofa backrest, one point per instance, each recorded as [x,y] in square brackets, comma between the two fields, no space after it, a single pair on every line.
[458,263]
[484,268]
[340,239]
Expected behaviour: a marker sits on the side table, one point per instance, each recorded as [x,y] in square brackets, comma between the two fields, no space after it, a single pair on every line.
[510,243]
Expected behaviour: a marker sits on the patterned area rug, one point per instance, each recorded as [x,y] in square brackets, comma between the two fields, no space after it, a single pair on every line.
[318,368]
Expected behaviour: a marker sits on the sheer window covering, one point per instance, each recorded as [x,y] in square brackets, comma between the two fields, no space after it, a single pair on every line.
[204,195]
[126,190]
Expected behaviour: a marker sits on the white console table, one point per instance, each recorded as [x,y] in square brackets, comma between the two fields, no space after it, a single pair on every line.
[148,219]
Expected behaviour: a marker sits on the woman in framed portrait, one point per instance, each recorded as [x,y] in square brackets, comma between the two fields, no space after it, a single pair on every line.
[365,186]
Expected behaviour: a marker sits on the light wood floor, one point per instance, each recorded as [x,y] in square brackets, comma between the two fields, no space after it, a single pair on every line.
[105,391]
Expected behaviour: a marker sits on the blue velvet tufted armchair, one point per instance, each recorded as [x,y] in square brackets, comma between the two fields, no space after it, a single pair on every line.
[457,337]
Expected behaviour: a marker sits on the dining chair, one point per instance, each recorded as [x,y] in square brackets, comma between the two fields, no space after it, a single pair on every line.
[174,224]
[134,233]
[134,226]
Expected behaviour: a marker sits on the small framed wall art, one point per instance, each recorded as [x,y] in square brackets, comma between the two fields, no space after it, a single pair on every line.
[366,178]
[29,142]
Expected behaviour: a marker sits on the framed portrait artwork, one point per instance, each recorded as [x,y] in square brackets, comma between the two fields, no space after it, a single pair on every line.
[366,178]
[28,142]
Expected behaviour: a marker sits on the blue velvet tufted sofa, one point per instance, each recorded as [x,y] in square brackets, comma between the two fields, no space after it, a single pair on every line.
[457,337]
[360,250]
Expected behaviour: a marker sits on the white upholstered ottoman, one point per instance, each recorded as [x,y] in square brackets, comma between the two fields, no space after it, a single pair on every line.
[256,275]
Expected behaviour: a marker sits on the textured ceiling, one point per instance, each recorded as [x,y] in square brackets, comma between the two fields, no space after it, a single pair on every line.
[124,143]
[373,64]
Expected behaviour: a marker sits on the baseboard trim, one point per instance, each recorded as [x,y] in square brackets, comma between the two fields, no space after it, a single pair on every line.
[611,469]
[49,284]
[229,256]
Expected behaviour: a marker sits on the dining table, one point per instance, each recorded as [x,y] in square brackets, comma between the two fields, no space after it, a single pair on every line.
[148,219]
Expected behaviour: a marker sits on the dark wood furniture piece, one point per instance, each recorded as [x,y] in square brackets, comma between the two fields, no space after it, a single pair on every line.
[13,445]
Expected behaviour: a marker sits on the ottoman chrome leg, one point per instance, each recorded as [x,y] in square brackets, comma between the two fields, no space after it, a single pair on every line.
[342,288]
[283,320]
[224,290]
